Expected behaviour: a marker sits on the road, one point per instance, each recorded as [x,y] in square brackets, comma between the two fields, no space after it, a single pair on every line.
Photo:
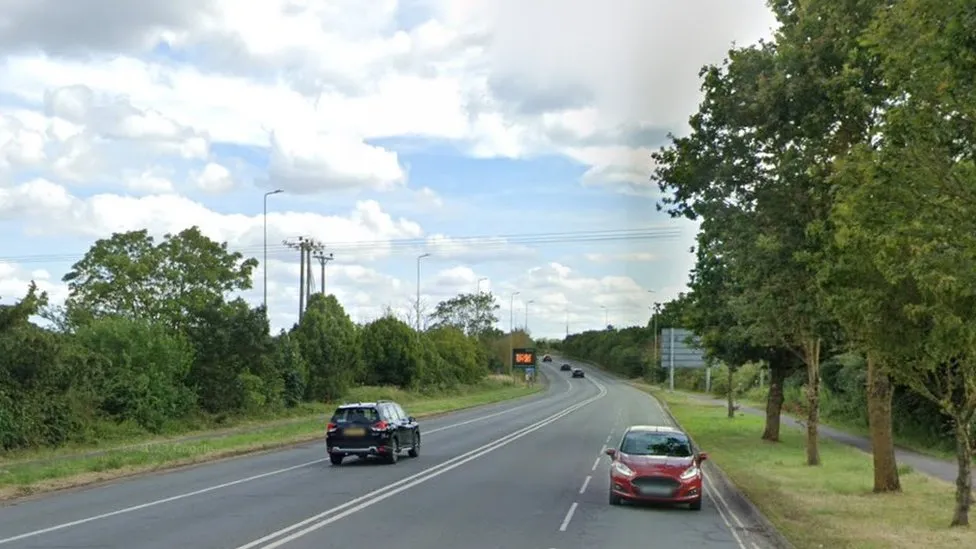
[529,474]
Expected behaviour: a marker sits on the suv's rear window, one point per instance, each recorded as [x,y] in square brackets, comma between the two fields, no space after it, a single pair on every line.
[356,415]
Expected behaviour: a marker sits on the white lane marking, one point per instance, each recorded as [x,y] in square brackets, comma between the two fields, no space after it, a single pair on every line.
[585,483]
[362,502]
[156,502]
[603,448]
[595,464]
[723,512]
[608,439]
[569,517]
[208,489]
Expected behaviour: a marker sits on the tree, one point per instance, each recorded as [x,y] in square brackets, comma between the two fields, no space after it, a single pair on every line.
[461,352]
[473,314]
[129,275]
[143,370]
[328,340]
[231,343]
[392,353]
[908,209]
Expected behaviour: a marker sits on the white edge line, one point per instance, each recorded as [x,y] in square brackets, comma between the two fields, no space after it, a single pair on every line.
[724,503]
[586,483]
[319,521]
[236,482]
[722,514]
[569,517]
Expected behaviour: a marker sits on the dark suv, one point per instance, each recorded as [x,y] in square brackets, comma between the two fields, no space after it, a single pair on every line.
[366,429]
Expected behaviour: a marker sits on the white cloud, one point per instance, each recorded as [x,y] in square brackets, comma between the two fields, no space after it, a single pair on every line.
[100,131]
[214,178]
[50,209]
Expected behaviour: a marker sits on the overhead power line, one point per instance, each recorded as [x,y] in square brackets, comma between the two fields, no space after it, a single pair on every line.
[447,244]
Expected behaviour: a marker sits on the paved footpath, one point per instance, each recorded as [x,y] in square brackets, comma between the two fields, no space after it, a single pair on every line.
[933,466]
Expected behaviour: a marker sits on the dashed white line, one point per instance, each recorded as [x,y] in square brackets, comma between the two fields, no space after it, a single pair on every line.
[608,438]
[595,464]
[585,483]
[569,517]
[603,448]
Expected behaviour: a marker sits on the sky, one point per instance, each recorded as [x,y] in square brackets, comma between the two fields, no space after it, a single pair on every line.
[509,140]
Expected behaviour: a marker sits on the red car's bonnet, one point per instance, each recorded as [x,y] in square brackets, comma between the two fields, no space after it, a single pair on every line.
[645,465]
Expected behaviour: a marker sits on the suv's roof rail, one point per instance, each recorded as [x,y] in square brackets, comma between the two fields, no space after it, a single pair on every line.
[383,400]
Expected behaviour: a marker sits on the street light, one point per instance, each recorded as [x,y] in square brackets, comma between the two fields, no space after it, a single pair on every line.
[419,257]
[527,303]
[511,329]
[265,266]
[480,280]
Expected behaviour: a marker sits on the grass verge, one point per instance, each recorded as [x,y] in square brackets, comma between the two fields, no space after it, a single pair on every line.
[827,506]
[41,472]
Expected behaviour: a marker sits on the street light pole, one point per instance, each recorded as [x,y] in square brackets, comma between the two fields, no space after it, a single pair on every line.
[511,328]
[264,267]
[606,316]
[419,257]
[527,303]
[480,280]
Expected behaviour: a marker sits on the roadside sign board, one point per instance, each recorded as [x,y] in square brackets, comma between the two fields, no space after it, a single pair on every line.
[681,349]
[523,358]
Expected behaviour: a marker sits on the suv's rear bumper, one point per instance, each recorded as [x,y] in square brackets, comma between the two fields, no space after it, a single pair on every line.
[369,446]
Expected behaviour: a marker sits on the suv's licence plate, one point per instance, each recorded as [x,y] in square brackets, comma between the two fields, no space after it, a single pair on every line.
[355,432]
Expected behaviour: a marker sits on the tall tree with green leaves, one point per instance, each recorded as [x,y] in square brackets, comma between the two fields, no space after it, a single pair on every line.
[329,343]
[474,314]
[130,275]
[907,206]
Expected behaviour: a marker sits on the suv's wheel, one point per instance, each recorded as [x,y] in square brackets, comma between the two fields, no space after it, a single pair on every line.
[394,452]
[415,450]
[336,459]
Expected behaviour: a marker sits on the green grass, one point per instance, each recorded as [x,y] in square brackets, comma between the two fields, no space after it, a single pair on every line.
[829,506]
[38,471]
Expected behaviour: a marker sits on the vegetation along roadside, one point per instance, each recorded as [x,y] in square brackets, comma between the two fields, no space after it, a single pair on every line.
[50,471]
[832,505]
[154,341]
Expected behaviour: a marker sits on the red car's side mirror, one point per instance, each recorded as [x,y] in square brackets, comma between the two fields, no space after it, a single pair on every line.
[612,452]
[702,456]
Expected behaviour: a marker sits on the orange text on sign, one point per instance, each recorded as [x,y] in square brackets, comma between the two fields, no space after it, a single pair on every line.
[523,358]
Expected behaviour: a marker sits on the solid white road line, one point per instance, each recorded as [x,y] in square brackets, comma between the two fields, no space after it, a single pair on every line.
[252,478]
[585,483]
[569,517]
[156,502]
[595,464]
[362,502]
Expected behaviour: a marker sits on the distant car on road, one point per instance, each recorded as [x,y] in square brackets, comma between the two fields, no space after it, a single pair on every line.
[578,372]
[547,358]
[367,429]
[565,367]
[656,463]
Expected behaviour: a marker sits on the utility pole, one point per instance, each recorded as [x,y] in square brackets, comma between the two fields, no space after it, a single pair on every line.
[419,257]
[323,259]
[305,246]
[264,266]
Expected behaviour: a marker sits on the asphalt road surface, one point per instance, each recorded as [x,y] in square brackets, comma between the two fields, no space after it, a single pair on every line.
[526,474]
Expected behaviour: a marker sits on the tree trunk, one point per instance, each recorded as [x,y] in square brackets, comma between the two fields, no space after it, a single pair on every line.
[774,400]
[730,393]
[964,480]
[879,392]
[811,356]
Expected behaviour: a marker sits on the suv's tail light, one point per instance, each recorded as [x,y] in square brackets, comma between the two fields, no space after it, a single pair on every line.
[380,425]
[330,427]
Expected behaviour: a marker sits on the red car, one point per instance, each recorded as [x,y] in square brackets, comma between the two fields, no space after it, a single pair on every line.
[656,464]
